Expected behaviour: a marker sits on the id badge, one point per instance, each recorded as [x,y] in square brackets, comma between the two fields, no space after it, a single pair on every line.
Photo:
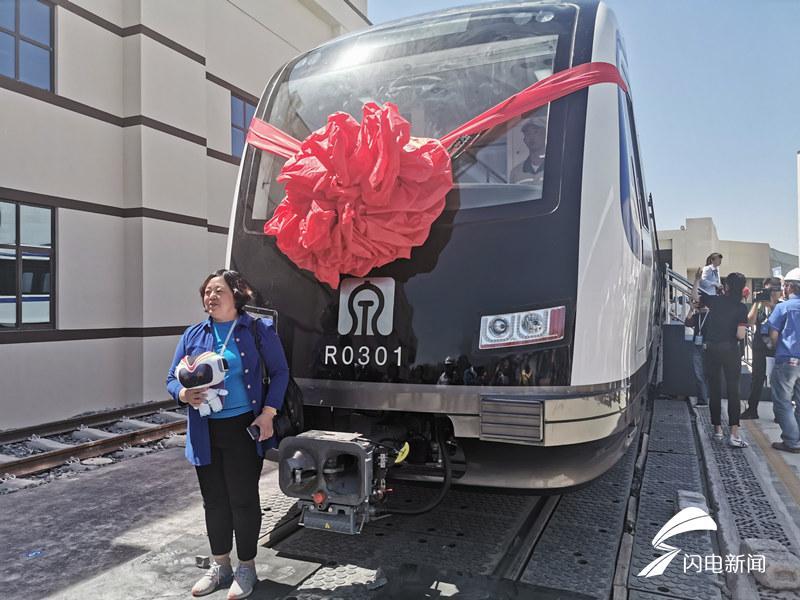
[698,340]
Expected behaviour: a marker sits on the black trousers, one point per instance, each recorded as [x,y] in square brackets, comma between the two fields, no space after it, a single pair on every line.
[723,357]
[230,487]
[758,378]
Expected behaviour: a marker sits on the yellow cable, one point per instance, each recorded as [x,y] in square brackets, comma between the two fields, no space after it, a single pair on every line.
[401,456]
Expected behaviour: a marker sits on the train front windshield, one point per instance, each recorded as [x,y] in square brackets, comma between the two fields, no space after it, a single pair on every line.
[440,74]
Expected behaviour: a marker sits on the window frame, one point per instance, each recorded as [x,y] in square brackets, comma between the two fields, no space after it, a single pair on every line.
[245,103]
[19,248]
[18,37]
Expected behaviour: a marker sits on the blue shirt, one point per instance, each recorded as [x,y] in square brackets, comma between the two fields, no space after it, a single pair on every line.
[785,319]
[199,338]
[235,403]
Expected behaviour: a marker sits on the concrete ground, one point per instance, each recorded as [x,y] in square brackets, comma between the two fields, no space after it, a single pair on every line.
[129,531]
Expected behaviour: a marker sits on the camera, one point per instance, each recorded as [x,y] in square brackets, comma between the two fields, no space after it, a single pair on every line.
[763,295]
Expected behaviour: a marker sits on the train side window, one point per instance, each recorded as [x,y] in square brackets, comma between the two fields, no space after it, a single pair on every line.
[636,165]
[628,186]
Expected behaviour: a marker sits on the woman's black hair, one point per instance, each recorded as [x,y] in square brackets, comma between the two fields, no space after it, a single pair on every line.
[242,290]
[734,284]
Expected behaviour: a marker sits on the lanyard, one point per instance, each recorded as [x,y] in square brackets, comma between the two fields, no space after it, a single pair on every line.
[702,319]
[227,338]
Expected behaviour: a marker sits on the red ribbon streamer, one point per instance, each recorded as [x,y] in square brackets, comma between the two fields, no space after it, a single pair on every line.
[540,93]
[359,196]
[267,137]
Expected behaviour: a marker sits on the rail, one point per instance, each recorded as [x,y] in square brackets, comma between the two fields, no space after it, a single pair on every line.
[10,436]
[677,296]
[99,442]
[36,463]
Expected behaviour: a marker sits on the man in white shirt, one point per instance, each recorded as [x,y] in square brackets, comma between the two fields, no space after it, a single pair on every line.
[710,282]
[534,134]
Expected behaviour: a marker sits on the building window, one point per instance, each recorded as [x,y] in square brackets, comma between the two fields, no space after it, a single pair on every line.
[26,42]
[26,266]
[241,115]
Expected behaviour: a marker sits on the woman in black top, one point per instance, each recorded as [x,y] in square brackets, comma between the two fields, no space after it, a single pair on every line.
[726,325]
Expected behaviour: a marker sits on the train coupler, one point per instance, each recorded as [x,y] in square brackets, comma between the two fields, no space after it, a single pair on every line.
[336,476]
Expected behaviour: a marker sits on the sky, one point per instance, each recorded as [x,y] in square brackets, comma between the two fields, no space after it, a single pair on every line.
[716,90]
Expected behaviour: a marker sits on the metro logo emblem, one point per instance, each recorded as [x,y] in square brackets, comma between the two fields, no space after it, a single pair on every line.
[366,306]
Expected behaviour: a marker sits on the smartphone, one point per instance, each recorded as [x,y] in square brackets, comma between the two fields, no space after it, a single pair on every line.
[253,431]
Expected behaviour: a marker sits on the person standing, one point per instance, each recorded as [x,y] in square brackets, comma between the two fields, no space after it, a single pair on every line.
[763,306]
[784,331]
[227,459]
[710,283]
[696,319]
[726,325]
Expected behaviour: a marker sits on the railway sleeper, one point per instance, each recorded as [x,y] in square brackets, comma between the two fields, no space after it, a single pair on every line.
[91,434]
[133,424]
[45,444]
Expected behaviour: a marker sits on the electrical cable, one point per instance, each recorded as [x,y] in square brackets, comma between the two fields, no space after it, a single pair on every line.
[442,492]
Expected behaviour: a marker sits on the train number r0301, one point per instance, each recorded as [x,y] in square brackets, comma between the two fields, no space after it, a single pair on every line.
[362,355]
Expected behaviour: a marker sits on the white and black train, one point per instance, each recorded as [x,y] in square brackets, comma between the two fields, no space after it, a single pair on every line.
[515,347]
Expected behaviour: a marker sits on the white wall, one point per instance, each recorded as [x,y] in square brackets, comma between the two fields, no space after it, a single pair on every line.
[51,150]
[89,59]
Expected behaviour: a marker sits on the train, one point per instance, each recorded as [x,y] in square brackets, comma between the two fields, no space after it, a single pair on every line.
[515,347]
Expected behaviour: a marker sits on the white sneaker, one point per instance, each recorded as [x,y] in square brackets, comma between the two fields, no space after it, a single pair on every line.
[244,580]
[718,436]
[735,442]
[217,576]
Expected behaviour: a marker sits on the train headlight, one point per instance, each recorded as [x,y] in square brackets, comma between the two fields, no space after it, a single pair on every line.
[532,324]
[499,327]
[522,328]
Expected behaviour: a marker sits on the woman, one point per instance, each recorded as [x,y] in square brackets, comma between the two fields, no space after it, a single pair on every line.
[759,313]
[227,460]
[709,281]
[726,325]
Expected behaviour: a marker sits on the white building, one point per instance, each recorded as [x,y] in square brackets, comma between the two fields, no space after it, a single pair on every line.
[120,126]
[687,248]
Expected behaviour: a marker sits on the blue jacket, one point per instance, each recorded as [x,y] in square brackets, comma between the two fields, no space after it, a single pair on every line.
[200,338]
[785,319]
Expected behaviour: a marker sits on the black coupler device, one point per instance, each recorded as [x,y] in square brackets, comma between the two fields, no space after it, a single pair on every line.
[335,475]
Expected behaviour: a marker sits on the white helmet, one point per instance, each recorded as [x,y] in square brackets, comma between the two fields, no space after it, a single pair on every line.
[793,276]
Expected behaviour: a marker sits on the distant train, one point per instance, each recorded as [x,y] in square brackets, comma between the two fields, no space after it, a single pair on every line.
[514,348]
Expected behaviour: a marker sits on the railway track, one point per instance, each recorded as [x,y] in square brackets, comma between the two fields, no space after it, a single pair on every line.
[34,450]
